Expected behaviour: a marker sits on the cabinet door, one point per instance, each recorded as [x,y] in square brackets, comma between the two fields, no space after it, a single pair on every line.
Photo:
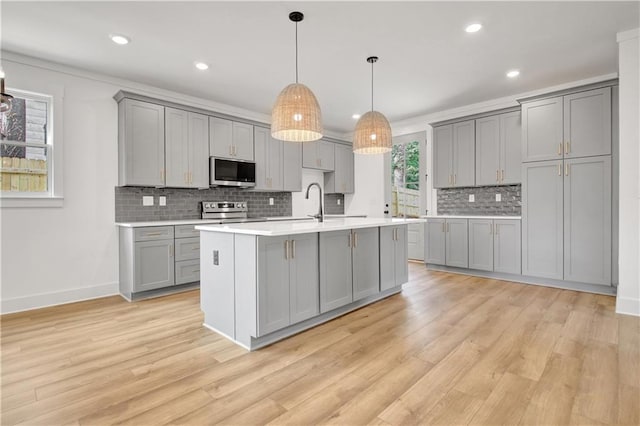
[310,159]
[198,150]
[415,241]
[481,244]
[274,154]
[141,143]
[542,231]
[220,137]
[243,141]
[587,123]
[587,220]
[335,270]
[262,158]
[326,154]
[187,271]
[401,255]
[510,148]
[434,241]
[349,178]
[457,243]
[273,284]
[464,157]
[442,154]
[542,130]
[488,150]
[291,166]
[506,247]
[341,180]
[366,266]
[153,265]
[387,258]
[304,284]
[176,148]
[187,248]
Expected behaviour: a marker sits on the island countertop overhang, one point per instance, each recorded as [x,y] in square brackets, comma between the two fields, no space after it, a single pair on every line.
[270,229]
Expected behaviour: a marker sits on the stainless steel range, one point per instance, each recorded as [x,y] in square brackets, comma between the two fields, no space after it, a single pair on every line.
[228,212]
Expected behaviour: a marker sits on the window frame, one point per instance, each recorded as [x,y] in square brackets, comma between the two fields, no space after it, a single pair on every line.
[421,138]
[53,144]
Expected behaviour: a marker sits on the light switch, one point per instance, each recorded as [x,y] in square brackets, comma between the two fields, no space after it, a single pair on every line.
[147,200]
[270,201]
[162,200]
[338,201]
[498,197]
[472,198]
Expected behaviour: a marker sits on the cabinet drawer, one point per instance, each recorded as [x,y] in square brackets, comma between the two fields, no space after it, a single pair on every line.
[187,271]
[153,233]
[186,231]
[187,248]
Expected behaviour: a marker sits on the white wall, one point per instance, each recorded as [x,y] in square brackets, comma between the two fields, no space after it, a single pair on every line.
[369,181]
[628,299]
[301,206]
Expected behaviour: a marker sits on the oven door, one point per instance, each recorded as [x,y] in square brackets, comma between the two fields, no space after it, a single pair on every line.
[224,172]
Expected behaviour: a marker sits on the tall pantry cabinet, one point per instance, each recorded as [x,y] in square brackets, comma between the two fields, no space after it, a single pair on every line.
[567,187]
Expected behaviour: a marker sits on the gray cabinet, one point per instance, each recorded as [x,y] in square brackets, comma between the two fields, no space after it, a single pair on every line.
[456,243]
[498,158]
[230,139]
[186,149]
[365,259]
[341,180]
[318,155]
[153,265]
[187,271]
[435,230]
[304,284]
[187,248]
[454,154]
[291,166]
[570,126]
[335,270]
[542,217]
[587,220]
[394,262]
[506,246]
[481,244]
[269,165]
[140,143]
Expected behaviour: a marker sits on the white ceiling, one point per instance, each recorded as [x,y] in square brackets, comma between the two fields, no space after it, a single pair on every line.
[427,62]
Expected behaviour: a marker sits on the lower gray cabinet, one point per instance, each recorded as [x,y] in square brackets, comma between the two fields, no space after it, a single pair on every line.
[434,242]
[287,281]
[153,265]
[506,246]
[394,261]
[456,243]
[187,271]
[365,255]
[481,244]
[336,276]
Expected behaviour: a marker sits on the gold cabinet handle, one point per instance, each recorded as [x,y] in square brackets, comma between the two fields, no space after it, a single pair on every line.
[443,227]
[170,250]
[293,249]
[454,178]
[567,147]
[566,169]
[355,239]
[153,234]
[559,169]
[560,148]
[286,249]
[502,180]
[497,176]
[230,150]
[190,177]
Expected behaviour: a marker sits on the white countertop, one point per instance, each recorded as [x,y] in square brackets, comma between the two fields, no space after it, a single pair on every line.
[178,222]
[276,228]
[470,217]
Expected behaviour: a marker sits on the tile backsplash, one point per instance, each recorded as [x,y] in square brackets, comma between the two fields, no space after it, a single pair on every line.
[331,204]
[455,201]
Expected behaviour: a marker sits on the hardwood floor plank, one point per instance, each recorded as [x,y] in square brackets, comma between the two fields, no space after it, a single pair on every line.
[507,403]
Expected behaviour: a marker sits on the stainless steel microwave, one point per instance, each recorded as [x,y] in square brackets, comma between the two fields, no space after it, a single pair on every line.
[224,172]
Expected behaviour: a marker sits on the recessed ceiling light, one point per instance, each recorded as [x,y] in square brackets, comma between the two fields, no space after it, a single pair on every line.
[513,73]
[119,39]
[355,116]
[473,28]
[202,66]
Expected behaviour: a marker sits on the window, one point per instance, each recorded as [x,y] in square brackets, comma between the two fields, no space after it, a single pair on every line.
[26,147]
[405,179]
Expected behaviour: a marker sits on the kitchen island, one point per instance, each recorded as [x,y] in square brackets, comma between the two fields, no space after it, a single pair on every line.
[263,282]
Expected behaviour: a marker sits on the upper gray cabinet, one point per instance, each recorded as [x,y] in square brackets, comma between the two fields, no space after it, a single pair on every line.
[498,158]
[230,139]
[318,155]
[291,166]
[341,180]
[574,125]
[140,143]
[454,155]
[187,149]
[269,164]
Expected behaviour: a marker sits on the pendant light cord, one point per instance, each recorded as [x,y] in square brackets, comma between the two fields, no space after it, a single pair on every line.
[296,53]
[372,86]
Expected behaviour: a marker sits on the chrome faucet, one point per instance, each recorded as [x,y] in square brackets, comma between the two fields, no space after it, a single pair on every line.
[320,215]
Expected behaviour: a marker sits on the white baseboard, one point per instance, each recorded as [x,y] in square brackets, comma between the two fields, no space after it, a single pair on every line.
[628,306]
[43,300]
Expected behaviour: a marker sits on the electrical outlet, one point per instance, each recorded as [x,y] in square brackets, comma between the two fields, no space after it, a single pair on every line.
[472,198]
[338,201]
[270,201]
[162,200]
[498,198]
[147,200]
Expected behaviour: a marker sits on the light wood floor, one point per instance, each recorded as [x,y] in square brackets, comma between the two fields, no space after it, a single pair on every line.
[450,349]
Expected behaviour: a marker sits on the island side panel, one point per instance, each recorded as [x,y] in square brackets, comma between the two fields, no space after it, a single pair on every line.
[246,288]
[217,277]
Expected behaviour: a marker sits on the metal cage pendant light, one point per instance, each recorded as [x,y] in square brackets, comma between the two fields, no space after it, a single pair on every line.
[296,115]
[373,132]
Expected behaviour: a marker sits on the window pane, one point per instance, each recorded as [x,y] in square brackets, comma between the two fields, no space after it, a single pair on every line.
[23,169]
[26,122]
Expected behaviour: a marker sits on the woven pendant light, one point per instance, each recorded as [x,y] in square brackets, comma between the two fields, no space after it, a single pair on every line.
[296,115]
[373,132]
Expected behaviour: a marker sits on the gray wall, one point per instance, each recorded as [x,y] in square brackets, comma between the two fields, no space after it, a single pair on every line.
[455,201]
